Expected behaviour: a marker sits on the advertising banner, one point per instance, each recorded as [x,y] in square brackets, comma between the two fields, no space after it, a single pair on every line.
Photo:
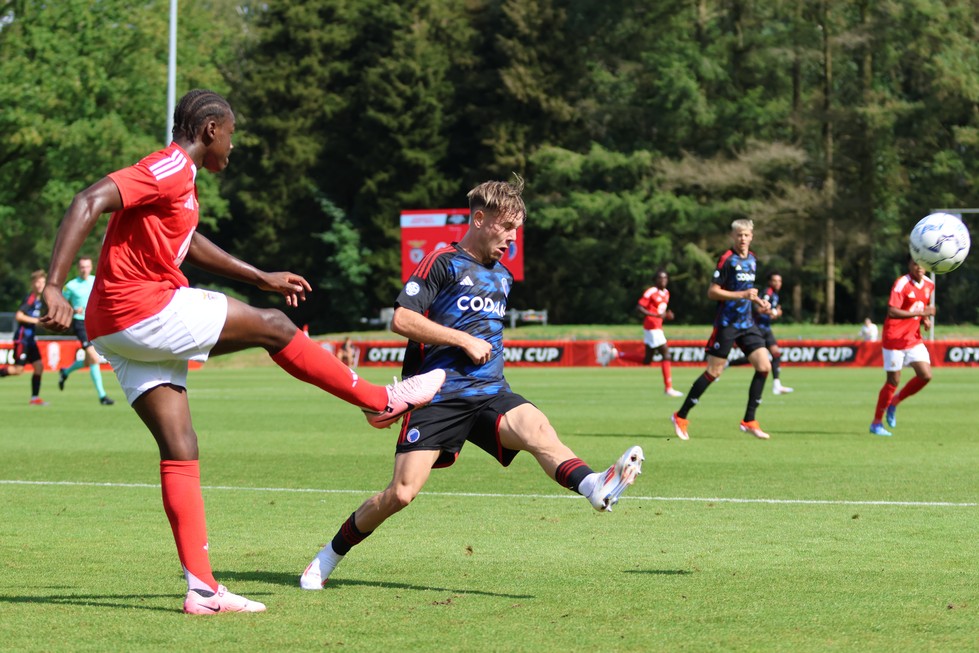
[425,230]
[582,353]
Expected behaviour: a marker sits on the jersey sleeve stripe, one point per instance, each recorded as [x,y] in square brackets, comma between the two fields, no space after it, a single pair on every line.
[426,265]
[168,166]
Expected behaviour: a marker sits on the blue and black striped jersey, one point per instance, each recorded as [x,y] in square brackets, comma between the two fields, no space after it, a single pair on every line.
[451,288]
[32,306]
[735,272]
[764,320]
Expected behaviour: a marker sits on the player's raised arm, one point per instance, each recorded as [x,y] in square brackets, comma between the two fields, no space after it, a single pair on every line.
[417,327]
[85,209]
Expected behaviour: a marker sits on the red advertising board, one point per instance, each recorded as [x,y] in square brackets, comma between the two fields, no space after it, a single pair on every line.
[425,230]
[582,353]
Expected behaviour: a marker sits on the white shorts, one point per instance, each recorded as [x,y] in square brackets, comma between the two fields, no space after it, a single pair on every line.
[653,338]
[155,351]
[895,359]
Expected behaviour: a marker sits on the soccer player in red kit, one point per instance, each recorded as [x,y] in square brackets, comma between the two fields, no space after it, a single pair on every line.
[654,306]
[908,310]
[146,321]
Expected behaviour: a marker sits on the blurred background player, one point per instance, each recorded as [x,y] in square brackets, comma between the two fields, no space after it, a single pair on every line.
[26,351]
[148,323]
[654,306]
[764,321]
[909,309]
[451,310]
[347,353]
[77,292]
[869,331]
[733,289]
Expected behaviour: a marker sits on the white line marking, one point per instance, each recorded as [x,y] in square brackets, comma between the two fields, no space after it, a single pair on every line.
[492,495]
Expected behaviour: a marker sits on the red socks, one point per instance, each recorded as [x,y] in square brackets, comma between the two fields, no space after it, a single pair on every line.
[667,376]
[911,387]
[184,505]
[883,399]
[304,359]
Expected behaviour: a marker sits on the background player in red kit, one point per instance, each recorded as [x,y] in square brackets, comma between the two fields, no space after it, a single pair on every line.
[908,310]
[654,306]
[146,321]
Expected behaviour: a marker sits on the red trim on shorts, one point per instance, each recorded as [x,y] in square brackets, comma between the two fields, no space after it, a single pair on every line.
[499,445]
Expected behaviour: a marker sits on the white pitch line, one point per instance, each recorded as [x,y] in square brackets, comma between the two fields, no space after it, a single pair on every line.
[492,495]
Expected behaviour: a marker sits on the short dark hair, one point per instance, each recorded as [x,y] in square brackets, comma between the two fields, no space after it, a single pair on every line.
[774,273]
[196,108]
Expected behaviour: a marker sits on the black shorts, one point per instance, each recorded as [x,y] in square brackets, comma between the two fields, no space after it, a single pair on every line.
[26,352]
[447,425]
[79,327]
[723,338]
[769,337]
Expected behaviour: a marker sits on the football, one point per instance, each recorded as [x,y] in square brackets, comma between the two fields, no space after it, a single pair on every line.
[939,242]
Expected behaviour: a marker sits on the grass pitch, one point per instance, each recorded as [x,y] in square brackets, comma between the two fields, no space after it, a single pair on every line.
[825,538]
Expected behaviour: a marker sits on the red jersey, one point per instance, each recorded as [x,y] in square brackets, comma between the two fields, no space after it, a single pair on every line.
[654,300]
[145,242]
[908,296]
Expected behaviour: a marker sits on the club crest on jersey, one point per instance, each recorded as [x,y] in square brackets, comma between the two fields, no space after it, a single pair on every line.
[412,436]
[412,289]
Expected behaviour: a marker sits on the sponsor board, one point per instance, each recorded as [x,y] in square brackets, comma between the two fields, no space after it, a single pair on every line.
[581,353]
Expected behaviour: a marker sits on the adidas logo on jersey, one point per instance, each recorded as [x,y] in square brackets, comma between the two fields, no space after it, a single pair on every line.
[466,281]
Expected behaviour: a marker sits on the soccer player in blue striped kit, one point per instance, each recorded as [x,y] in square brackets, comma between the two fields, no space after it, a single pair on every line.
[451,310]
[733,288]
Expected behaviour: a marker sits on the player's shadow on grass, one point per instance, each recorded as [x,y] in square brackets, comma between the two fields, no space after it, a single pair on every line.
[123,601]
[292,580]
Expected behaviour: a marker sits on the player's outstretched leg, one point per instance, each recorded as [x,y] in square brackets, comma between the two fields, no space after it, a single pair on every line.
[405,396]
[610,484]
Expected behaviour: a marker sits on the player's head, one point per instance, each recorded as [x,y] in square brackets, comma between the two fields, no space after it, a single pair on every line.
[499,198]
[915,271]
[775,281]
[661,279]
[206,117]
[742,231]
[84,266]
[496,211]
[38,279]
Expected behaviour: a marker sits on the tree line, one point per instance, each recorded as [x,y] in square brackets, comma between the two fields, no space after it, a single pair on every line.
[642,128]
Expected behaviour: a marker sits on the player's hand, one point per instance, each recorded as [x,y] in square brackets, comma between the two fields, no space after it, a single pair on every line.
[60,313]
[291,286]
[478,350]
[750,293]
[926,323]
[929,310]
[668,315]
[763,305]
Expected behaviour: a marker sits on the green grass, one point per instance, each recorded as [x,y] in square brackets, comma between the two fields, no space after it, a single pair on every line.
[823,539]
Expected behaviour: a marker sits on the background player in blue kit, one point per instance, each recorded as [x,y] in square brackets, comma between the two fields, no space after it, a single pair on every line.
[764,319]
[76,292]
[451,310]
[26,351]
[733,288]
